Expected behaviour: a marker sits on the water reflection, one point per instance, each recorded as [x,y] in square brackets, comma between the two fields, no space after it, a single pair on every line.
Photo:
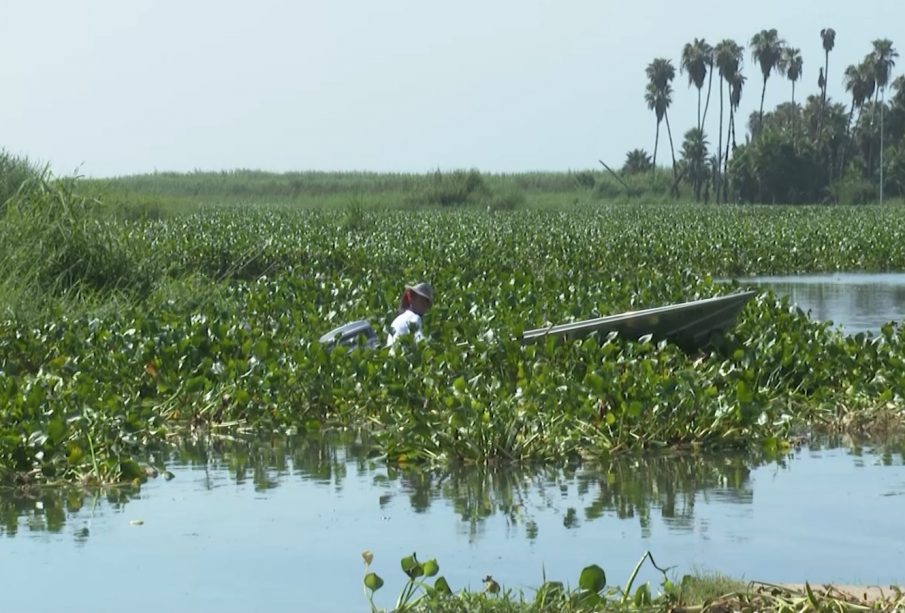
[855,302]
[636,488]
[49,509]
[294,516]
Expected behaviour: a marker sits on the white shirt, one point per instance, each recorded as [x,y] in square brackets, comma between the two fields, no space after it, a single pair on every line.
[405,323]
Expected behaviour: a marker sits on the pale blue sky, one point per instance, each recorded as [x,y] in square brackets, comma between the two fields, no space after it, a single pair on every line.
[115,87]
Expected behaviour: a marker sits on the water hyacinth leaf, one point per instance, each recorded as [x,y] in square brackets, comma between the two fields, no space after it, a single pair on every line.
[743,392]
[373,582]
[411,566]
[55,429]
[642,596]
[430,568]
[592,578]
[634,408]
[442,586]
[595,382]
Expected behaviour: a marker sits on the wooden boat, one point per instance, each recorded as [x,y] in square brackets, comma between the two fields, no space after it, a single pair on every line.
[691,325]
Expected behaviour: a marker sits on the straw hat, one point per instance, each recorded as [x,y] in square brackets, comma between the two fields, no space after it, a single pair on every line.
[422,289]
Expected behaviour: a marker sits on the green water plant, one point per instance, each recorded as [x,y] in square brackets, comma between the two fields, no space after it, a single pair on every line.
[591,594]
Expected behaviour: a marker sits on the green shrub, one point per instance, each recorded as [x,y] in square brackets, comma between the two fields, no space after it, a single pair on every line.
[456,188]
[585,179]
[507,201]
[854,190]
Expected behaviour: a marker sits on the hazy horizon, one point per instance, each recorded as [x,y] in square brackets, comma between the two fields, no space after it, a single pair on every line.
[106,88]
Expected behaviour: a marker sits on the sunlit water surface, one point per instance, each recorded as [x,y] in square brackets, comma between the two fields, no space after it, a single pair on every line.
[283,529]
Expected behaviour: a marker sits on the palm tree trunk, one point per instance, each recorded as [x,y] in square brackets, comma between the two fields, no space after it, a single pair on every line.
[707,104]
[826,81]
[656,144]
[726,159]
[720,140]
[763,92]
[671,147]
[794,112]
[882,106]
[699,108]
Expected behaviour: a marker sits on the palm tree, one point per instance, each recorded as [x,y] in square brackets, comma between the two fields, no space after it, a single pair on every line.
[697,57]
[636,161]
[694,159]
[791,64]
[655,103]
[735,97]
[727,57]
[859,82]
[736,83]
[660,74]
[884,59]
[828,36]
[766,50]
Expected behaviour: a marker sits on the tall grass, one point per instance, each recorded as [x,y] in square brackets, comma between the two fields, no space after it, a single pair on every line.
[54,245]
[162,194]
[14,172]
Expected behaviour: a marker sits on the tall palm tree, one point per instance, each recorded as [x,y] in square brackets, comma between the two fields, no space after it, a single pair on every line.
[696,61]
[884,59]
[791,65]
[660,74]
[736,84]
[766,50]
[709,59]
[657,103]
[828,36]
[727,55]
[828,39]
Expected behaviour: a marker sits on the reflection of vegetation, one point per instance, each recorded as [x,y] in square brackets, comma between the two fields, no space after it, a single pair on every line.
[633,487]
[624,487]
[47,509]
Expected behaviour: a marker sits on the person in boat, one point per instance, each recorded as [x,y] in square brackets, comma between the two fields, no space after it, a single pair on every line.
[416,300]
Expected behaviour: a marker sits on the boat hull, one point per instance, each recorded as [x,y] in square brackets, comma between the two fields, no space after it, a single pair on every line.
[691,325]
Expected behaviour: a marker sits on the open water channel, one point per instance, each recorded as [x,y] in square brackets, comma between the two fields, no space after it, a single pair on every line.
[282,527]
[854,302]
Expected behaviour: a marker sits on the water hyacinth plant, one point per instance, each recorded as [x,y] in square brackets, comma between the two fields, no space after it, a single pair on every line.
[137,331]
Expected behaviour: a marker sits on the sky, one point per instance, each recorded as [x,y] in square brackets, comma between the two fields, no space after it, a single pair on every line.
[117,87]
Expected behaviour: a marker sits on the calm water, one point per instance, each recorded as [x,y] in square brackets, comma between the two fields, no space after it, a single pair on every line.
[283,529]
[854,302]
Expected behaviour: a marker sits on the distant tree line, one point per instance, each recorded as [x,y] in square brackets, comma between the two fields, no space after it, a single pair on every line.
[818,151]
